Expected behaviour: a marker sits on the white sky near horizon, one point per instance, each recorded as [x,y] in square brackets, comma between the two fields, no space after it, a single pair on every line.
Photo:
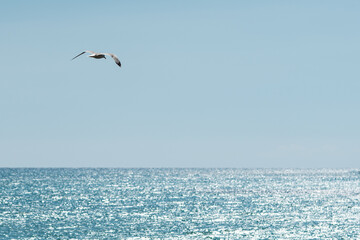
[247,84]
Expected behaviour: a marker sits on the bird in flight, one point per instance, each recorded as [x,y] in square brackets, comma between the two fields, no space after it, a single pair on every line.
[100,55]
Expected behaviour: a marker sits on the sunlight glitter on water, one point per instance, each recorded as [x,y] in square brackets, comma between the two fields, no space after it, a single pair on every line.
[179,204]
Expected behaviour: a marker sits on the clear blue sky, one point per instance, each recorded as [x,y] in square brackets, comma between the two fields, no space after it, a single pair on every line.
[203,84]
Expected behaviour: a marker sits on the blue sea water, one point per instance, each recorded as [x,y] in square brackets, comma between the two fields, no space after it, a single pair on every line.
[179,204]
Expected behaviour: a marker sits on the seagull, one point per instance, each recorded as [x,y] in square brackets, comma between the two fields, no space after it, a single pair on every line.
[100,55]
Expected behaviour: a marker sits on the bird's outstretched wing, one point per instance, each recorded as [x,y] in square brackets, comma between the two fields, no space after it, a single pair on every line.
[87,51]
[117,61]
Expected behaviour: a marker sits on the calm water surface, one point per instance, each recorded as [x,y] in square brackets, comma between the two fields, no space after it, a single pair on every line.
[179,204]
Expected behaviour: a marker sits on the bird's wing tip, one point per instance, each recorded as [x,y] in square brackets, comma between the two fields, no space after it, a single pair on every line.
[78,55]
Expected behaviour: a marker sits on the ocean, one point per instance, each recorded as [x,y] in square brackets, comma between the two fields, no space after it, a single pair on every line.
[179,203]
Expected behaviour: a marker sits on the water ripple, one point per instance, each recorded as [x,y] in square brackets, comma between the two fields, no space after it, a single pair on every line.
[179,204]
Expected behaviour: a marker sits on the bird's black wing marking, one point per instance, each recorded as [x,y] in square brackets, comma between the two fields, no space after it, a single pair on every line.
[78,55]
[117,61]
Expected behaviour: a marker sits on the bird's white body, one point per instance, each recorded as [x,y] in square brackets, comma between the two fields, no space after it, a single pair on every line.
[99,56]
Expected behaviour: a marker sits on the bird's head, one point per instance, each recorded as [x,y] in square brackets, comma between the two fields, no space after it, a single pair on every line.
[104,57]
